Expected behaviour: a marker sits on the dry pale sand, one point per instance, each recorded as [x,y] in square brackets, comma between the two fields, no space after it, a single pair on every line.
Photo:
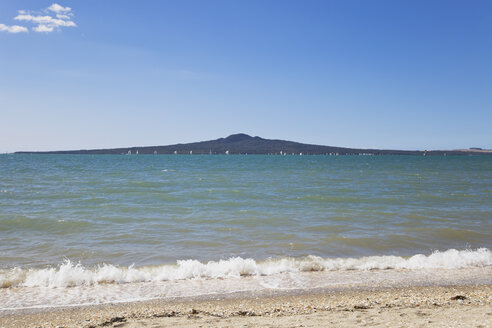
[459,306]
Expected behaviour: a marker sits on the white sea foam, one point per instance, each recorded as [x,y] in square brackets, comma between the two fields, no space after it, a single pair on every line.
[71,274]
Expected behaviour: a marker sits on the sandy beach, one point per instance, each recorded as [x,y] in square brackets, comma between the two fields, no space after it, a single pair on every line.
[450,306]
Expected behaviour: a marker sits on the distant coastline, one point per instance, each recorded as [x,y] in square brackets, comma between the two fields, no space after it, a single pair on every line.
[245,144]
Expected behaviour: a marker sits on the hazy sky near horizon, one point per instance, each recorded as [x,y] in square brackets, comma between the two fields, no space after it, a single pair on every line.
[377,74]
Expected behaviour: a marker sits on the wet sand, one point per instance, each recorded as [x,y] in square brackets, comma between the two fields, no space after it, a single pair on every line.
[453,306]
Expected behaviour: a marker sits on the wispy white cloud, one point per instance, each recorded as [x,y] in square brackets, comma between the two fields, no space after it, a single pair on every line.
[59,9]
[62,16]
[12,28]
[45,20]
[43,28]
[50,19]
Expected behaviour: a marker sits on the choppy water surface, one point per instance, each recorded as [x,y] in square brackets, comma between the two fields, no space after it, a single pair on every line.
[154,210]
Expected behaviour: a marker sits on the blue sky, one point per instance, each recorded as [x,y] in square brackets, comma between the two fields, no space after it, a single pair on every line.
[384,74]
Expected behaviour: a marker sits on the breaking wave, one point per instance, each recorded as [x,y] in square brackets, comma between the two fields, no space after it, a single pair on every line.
[70,274]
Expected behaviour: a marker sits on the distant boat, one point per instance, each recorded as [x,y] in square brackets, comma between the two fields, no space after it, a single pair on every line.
[155,152]
[129,152]
[191,152]
[175,152]
[136,152]
[227,152]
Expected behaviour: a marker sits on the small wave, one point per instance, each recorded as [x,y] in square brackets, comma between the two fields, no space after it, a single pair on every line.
[71,274]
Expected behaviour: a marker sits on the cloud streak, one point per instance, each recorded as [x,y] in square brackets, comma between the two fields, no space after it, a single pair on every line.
[59,9]
[45,21]
[52,18]
[12,29]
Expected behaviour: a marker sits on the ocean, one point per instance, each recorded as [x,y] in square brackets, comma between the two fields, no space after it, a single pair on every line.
[90,229]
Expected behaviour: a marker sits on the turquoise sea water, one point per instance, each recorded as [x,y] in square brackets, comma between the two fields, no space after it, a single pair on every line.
[153,210]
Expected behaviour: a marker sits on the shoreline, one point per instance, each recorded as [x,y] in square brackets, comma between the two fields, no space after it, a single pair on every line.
[463,305]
